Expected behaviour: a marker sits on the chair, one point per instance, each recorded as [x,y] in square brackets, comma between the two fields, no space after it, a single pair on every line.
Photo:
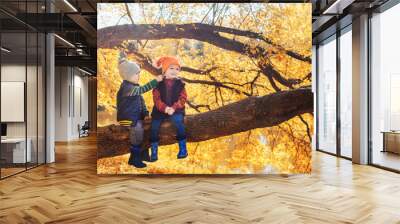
[84,130]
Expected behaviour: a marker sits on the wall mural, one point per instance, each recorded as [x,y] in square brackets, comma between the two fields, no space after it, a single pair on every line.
[204,88]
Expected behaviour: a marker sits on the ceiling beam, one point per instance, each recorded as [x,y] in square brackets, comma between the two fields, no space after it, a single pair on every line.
[86,26]
[81,61]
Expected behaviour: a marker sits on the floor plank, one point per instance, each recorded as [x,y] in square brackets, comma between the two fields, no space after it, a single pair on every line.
[70,191]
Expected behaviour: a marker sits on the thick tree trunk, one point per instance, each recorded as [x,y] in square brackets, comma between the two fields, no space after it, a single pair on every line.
[244,115]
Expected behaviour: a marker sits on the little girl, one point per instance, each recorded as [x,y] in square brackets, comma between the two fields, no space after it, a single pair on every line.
[169,103]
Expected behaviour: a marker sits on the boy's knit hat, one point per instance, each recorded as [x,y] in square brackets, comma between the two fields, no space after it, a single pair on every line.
[166,61]
[127,68]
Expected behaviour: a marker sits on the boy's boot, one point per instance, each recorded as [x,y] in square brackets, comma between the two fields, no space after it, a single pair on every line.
[146,155]
[154,151]
[182,149]
[135,159]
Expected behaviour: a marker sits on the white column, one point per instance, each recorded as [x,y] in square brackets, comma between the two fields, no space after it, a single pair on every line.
[50,92]
[50,100]
[360,90]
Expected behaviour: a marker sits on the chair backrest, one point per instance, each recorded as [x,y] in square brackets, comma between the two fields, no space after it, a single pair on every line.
[86,125]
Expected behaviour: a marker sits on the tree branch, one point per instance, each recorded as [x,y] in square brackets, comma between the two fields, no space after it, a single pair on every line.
[110,37]
[114,36]
[244,115]
[214,83]
[197,106]
[307,127]
[198,71]
[148,66]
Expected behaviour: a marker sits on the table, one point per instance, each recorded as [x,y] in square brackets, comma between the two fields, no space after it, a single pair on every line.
[391,141]
[16,147]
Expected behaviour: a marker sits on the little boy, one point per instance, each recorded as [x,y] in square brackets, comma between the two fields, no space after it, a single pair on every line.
[131,108]
[169,103]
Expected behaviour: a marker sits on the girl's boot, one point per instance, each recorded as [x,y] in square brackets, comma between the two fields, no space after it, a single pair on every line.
[182,149]
[154,151]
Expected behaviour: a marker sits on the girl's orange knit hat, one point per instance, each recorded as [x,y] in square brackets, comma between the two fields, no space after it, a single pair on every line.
[166,61]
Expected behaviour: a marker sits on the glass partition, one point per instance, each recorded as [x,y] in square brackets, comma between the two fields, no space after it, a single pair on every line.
[13,103]
[22,78]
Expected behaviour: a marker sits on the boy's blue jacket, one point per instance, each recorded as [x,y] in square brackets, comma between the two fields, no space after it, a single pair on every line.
[130,103]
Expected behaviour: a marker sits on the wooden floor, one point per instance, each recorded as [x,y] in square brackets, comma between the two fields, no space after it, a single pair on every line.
[387,159]
[69,191]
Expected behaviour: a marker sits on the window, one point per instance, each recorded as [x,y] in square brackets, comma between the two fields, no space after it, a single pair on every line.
[327,96]
[385,89]
[345,92]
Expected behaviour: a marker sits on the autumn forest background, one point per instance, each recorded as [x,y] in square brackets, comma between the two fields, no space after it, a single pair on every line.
[247,52]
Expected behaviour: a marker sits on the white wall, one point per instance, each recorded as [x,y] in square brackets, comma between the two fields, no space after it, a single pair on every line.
[71,94]
[33,127]
[80,110]
[12,73]
[61,104]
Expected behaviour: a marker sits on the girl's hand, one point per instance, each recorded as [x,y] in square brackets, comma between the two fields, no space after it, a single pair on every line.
[171,111]
[167,110]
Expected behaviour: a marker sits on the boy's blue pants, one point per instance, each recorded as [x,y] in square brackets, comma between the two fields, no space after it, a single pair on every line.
[177,119]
